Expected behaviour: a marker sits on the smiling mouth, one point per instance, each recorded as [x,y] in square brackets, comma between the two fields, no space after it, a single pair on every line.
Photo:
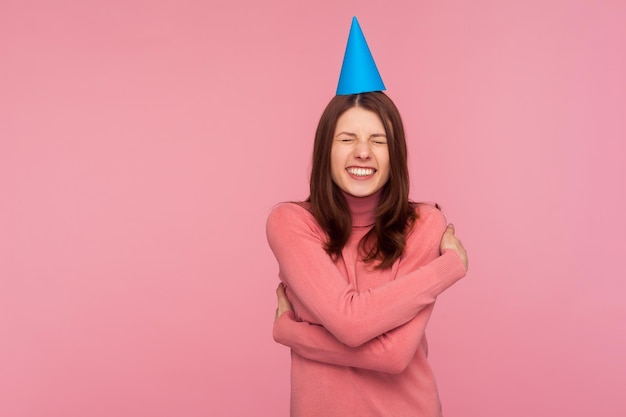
[361,172]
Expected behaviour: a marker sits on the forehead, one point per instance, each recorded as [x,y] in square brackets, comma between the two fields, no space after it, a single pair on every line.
[359,119]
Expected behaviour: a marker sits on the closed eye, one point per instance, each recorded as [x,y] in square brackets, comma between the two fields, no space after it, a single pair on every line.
[379,139]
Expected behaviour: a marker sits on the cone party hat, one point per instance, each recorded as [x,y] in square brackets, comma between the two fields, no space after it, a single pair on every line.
[358,71]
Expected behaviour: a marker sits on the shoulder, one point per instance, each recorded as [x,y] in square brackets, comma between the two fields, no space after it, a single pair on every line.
[424,237]
[291,227]
[290,211]
[430,220]
[290,215]
[429,211]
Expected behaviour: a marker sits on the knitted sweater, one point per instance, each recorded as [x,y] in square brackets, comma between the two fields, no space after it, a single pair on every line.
[357,334]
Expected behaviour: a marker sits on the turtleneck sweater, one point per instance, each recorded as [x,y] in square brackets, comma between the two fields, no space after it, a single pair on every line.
[363,209]
[357,334]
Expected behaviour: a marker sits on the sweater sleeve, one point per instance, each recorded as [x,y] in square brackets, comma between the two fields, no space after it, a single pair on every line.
[390,352]
[353,317]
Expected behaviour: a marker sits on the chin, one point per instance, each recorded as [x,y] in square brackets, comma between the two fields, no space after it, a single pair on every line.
[361,193]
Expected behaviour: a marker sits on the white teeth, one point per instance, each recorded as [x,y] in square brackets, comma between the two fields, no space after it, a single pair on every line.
[361,172]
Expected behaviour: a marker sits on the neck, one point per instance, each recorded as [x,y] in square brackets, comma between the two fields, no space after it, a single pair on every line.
[363,209]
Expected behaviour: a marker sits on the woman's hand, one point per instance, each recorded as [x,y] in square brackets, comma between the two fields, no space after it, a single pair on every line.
[449,241]
[283,302]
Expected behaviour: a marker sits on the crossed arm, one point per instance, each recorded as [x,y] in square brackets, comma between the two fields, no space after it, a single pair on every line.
[386,344]
[390,352]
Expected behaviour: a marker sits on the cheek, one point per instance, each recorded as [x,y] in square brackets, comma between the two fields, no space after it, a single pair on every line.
[384,162]
[335,165]
[336,159]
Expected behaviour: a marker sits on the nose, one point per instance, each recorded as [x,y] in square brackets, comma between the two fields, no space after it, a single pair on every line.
[362,150]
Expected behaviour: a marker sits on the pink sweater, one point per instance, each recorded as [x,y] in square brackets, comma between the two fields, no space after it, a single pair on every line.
[357,338]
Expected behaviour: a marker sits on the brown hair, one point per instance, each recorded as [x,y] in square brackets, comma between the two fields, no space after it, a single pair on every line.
[395,214]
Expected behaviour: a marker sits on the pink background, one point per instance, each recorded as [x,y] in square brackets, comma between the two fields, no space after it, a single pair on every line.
[143,143]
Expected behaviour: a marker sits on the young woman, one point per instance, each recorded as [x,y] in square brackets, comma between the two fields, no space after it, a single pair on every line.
[361,267]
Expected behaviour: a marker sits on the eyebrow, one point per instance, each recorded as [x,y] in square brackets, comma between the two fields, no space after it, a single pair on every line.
[374,135]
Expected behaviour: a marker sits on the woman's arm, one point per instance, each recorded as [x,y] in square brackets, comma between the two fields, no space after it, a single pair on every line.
[351,316]
[390,352]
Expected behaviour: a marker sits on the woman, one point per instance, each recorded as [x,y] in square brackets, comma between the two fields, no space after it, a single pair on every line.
[361,267]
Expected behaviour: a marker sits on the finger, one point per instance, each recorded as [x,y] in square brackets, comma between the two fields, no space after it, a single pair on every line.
[450,228]
[280,292]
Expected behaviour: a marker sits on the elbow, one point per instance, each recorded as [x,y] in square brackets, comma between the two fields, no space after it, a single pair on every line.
[352,341]
[396,356]
[351,334]
[279,331]
[277,335]
[397,363]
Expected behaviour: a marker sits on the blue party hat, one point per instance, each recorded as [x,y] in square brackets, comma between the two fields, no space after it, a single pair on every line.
[358,71]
